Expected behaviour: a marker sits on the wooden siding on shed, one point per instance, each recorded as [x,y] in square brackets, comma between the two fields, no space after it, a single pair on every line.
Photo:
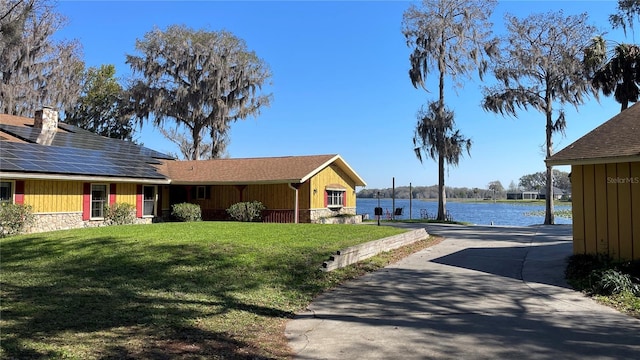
[51,196]
[635,210]
[606,209]
[577,190]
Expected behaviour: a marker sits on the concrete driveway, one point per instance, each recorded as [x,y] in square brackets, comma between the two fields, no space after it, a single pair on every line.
[482,293]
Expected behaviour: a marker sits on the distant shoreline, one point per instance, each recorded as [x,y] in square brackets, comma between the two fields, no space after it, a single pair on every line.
[509,201]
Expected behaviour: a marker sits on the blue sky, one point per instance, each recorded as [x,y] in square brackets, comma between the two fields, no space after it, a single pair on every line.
[340,83]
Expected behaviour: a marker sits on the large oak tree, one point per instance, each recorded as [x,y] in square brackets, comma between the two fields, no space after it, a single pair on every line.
[203,80]
[539,66]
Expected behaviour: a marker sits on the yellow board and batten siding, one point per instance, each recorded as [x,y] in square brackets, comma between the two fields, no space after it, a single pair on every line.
[282,196]
[220,197]
[331,175]
[606,209]
[58,196]
[51,196]
[273,196]
[635,209]
[126,193]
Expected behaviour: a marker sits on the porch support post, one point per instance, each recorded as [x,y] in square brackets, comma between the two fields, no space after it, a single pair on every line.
[240,189]
[295,187]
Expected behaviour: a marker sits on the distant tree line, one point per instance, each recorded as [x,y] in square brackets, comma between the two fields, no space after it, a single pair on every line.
[494,190]
[538,181]
[426,192]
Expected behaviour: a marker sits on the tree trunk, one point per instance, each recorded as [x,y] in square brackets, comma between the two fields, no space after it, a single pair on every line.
[549,218]
[442,194]
[195,133]
[442,150]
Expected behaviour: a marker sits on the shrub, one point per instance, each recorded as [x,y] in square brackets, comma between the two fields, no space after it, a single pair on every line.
[600,275]
[186,212]
[612,282]
[246,211]
[120,214]
[580,266]
[14,218]
[632,268]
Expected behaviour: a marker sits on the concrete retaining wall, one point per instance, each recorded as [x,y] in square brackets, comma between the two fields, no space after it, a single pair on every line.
[353,254]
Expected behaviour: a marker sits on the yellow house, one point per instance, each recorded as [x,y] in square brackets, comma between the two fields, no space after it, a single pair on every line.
[68,176]
[605,180]
[292,188]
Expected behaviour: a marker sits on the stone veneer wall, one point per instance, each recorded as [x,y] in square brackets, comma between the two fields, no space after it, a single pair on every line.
[55,221]
[324,216]
[71,220]
[354,219]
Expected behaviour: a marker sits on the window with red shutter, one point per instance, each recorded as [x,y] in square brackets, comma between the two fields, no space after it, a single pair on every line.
[7,193]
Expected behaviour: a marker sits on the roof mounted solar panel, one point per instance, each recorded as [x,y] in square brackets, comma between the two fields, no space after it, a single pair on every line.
[75,161]
[76,138]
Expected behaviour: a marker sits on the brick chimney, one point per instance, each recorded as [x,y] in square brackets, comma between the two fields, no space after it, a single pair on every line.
[46,120]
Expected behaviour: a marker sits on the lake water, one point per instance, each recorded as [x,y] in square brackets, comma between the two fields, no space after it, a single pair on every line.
[480,213]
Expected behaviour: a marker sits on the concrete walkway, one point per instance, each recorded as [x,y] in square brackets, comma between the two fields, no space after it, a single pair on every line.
[482,293]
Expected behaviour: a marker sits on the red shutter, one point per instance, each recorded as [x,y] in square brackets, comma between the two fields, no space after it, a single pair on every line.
[344,198]
[326,198]
[112,194]
[139,201]
[19,193]
[86,201]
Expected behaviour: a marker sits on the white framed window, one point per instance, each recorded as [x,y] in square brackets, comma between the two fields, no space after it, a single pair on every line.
[6,192]
[99,199]
[201,192]
[335,198]
[148,200]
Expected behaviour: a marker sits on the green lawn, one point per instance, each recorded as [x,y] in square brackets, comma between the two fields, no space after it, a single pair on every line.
[206,290]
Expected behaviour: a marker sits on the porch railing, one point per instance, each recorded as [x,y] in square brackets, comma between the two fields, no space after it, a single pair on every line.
[268,216]
[278,216]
